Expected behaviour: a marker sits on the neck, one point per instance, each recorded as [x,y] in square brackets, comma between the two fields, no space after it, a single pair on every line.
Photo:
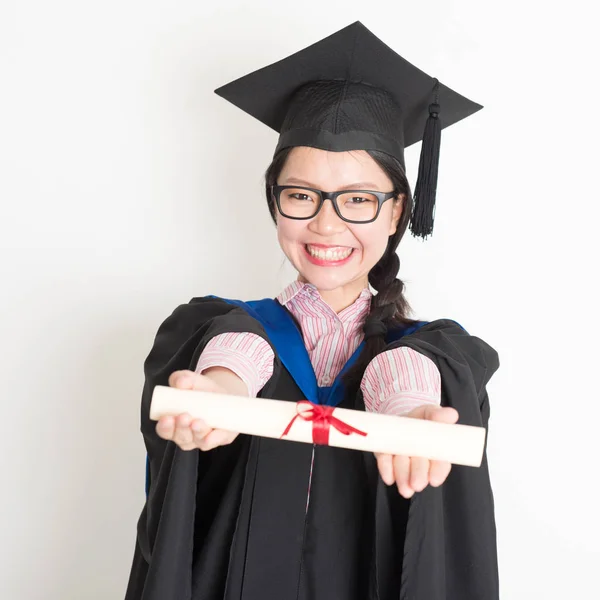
[341,297]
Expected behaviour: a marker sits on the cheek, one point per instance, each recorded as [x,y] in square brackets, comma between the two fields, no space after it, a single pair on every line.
[288,233]
[373,240]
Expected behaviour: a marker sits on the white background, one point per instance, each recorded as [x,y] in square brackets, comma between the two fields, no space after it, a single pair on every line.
[127,187]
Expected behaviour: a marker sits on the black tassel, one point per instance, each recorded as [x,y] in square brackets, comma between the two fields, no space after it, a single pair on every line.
[421,223]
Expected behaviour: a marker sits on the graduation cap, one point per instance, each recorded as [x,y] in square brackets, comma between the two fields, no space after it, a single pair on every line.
[350,91]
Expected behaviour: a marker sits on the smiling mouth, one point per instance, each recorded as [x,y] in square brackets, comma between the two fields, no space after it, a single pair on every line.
[334,254]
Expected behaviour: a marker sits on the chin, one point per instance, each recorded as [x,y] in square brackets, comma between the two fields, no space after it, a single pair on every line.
[325,282]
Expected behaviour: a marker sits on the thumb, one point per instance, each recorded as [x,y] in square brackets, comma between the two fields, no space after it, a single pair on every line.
[432,412]
[203,383]
[190,380]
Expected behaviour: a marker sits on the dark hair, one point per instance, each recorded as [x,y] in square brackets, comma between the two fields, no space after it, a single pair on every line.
[389,304]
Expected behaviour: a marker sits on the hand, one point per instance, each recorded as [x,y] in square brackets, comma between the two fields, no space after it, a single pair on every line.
[414,474]
[189,433]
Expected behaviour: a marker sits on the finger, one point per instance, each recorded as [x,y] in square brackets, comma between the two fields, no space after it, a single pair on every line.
[217,437]
[419,473]
[386,467]
[183,436]
[165,427]
[200,430]
[438,472]
[433,412]
[402,475]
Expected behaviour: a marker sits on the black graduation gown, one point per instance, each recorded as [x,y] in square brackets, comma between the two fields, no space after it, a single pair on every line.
[233,523]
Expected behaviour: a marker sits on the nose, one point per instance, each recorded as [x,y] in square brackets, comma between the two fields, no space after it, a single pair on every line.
[327,222]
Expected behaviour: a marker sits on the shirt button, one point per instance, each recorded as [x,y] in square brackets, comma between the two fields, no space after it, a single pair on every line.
[326,381]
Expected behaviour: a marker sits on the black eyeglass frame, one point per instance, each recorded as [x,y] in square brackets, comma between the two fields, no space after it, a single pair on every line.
[381,198]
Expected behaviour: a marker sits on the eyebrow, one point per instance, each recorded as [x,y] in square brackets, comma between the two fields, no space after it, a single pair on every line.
[366,185]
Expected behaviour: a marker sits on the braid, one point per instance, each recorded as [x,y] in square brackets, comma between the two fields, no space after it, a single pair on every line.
[390,300]
[388,309]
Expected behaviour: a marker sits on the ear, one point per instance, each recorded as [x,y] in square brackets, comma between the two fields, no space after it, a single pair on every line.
[396,213]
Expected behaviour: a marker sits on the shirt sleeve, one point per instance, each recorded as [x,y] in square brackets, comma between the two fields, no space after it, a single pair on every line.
[398,380]
[246,354]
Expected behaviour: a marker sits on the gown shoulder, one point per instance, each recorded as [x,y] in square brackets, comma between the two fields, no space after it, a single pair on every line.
[465,357]
[182,336]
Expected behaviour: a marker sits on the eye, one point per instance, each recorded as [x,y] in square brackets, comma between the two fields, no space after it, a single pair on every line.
[299,196]
[360,199]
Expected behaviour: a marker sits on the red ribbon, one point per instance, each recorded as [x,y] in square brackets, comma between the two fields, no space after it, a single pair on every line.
[322,418]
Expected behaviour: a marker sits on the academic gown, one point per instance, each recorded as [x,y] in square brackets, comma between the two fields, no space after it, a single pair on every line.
[233,523]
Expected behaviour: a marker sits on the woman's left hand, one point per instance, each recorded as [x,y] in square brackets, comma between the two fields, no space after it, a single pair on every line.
[414,474]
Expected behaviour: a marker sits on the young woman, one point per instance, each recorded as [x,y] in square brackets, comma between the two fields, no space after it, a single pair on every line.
[233,516]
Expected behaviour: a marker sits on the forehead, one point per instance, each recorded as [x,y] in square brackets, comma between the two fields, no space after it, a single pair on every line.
[332,170]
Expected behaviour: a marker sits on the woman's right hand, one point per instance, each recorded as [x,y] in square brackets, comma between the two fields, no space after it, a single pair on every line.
[189,433]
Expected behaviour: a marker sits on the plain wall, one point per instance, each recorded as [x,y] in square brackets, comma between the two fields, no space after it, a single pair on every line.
[127,187]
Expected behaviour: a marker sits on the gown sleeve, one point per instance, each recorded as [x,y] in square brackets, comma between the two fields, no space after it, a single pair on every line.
[175,477]
[449,547]
[398,380]
[246,354]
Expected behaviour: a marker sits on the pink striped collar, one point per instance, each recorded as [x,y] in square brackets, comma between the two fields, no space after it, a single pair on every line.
[359,308]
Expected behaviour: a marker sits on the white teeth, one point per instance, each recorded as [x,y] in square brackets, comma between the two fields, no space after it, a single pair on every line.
[329,254]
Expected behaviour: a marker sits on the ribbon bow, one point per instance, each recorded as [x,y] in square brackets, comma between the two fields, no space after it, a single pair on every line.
[322,418]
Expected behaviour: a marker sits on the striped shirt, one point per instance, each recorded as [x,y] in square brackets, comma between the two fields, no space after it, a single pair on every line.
[395,381]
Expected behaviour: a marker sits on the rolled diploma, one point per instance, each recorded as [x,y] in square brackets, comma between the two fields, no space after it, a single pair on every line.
[388,434]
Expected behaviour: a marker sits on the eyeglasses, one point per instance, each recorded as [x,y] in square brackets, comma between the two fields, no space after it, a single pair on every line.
[353,206]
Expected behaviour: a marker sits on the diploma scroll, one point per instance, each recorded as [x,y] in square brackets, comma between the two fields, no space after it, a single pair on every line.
[457,444]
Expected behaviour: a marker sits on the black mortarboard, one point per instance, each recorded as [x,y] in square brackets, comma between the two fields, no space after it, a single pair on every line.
[350,91]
